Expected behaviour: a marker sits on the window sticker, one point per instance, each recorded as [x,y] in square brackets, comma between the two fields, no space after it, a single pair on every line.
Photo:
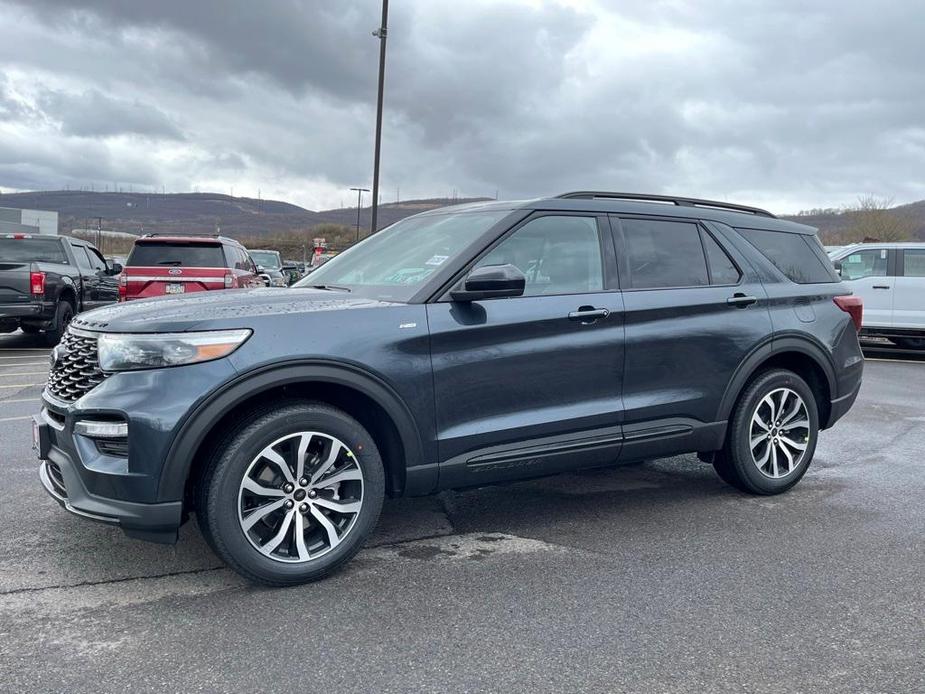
[883,253]
[437,260]
[854,258]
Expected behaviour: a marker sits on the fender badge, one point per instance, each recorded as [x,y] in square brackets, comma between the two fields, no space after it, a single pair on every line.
[402,326]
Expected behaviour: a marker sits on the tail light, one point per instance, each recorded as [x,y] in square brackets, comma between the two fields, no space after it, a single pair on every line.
[229,280]
[854,307]
[123,287]
[37,283]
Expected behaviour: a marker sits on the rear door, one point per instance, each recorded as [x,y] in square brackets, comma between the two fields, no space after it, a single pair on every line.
[909,292]
[89,279]
[869,273]
[171,267]
[694,309]
[531,385]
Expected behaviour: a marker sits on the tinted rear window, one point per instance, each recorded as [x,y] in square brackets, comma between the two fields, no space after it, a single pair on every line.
[29,250]
[664,254]
[177,254]
[798,256]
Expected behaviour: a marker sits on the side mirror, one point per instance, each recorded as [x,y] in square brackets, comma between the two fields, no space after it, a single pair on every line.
[837,265]
[260,268]
[491,282]
[114,268]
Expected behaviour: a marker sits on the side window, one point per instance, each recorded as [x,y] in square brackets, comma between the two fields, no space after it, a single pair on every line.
[558,254]
[664,254]
[247,263]
[914,263]
[83,262]
[800,258]
[96,260]
[722,269]
[867,263]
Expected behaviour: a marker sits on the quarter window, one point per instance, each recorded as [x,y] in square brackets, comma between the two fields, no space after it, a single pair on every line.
[664,254]
[798,256]
[867,263]
[558,255]
[914,263]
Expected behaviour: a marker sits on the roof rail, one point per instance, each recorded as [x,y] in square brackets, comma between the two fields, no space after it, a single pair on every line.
[154,234]
[682,202]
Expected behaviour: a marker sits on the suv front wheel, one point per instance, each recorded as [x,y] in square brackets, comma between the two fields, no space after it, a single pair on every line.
[292,493]
[772,434]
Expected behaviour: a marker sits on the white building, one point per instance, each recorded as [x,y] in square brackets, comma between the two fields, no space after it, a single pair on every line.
[16,221]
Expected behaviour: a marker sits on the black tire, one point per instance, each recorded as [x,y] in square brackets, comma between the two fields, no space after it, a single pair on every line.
[217,501]
[735,463]
[910,342]
[63,315]
[30,329]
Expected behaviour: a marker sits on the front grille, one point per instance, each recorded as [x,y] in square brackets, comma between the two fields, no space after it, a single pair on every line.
[77,370]
[57,481]
[117,447]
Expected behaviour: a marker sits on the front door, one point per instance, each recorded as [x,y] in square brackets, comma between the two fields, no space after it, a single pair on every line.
[532,385]
[866,272]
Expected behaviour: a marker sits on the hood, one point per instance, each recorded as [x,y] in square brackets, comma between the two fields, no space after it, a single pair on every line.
[230,308]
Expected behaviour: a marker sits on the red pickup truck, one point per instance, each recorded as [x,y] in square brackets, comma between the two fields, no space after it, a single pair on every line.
[167,265]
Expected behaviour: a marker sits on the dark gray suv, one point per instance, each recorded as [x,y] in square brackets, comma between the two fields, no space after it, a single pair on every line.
[460,347]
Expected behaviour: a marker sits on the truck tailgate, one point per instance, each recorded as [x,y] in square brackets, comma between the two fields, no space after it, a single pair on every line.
[14,282]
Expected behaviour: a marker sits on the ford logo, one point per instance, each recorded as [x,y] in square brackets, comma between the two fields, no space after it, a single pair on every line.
[175,271]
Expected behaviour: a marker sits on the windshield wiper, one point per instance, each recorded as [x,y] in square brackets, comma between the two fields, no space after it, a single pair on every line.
[330,287]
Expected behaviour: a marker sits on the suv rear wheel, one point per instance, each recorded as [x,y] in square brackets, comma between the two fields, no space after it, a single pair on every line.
[63,315]
[292,494]
[772,434]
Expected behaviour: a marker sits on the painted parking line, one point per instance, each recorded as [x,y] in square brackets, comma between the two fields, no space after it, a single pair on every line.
[15,419]
[895,361]
[22,385]
[23,363]
[6,374]
[34,401]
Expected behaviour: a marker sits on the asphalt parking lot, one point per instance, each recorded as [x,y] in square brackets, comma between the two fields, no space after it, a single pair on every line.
[653,577]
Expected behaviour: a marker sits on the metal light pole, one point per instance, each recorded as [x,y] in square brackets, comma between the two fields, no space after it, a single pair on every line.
[360,192]
[380,33]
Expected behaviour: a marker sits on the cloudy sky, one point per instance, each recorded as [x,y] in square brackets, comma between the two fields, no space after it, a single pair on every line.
[785,103]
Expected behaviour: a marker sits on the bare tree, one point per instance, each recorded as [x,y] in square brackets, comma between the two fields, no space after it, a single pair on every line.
[875,219]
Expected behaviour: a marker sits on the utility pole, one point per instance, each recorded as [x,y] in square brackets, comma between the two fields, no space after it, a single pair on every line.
[360,192]
[380,33]
[99,233]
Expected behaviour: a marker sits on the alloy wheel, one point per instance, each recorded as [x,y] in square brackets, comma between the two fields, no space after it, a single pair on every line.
[779,433]
[300,497]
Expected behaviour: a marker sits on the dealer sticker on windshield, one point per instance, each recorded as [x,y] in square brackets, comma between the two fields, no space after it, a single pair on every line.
[437,260]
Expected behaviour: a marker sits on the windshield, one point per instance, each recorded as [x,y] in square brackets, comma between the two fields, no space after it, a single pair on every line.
[393,264]
[177,254]
[267,259]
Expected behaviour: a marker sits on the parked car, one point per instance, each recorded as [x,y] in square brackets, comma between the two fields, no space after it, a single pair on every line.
[46,280]
[459,347]
[293,270]
[170,265]
[270,264]
[890,278]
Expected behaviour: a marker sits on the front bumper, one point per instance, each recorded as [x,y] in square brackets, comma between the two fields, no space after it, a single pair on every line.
[119,483]
[157,522]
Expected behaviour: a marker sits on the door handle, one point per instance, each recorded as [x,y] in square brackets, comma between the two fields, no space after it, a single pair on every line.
[740,300]
[881,286]
[588,314]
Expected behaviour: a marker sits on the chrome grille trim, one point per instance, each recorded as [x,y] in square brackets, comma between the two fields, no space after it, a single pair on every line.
[77,371]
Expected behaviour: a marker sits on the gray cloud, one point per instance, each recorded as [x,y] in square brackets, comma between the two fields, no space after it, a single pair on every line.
[93,114]
[775,102]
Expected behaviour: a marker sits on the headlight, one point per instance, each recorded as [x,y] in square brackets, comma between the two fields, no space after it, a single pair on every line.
[140,351]
[279,282]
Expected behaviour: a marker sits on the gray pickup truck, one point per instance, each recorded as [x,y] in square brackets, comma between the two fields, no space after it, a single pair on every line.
[46,280]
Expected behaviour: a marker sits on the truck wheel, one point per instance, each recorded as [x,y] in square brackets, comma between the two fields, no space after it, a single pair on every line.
[772,434]
[63,315]
[291,494]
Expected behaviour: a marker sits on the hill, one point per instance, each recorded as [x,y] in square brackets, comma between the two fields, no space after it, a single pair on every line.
[199,213]
[833,223]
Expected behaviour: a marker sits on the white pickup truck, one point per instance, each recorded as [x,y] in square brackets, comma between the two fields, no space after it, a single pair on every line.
[890,278]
